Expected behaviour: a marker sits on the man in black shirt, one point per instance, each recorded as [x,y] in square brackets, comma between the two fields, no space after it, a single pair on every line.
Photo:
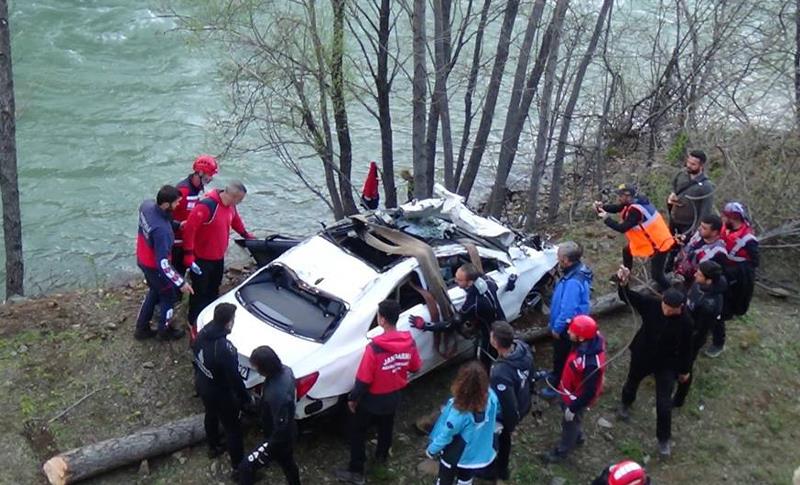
[662,347]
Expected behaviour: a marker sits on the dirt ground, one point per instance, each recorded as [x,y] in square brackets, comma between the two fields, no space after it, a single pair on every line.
[739,424]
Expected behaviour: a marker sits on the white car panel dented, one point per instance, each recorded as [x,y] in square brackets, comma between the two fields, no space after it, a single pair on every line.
[324,266]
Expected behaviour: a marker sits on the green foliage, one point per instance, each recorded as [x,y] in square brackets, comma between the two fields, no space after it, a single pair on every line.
[677,151]
[631,449]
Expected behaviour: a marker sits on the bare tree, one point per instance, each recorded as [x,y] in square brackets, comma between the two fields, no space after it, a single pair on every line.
[558,160]
[12,226]
[482,136]
[419,93]
[797,63]
[539,161]
[340,111]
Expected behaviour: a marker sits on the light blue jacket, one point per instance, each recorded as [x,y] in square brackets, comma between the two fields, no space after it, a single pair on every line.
[476,429]
[570,297]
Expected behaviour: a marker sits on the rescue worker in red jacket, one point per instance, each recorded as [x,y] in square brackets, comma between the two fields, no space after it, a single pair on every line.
[153,253]
[740,270]
[581,382]
[206,236]
[191,189]
[647,234]
[704,245]
[382,375]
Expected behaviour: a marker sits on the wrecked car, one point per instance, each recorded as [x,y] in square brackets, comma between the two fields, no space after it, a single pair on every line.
[314,301]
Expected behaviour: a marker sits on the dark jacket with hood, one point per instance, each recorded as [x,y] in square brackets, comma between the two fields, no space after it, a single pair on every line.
[706,305]
[276,408]
[481,302]
[661,342]
[216,366]
[510,379]
[383,371]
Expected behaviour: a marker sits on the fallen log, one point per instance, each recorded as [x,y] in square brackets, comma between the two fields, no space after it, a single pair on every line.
[91,460]
[602,305]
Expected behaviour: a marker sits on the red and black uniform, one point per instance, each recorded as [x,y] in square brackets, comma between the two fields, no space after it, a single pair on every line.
[205,241]
[581,385]
[697,251]
[382,374]
[154,242]
[190,196]
[740,271]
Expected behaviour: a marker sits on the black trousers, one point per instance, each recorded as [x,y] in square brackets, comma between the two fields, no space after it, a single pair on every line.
[665,383]
[657,263]
[160,292]
[561,347]
[281,453]
[571,432]
[486,353]
[718,333]
[452,474]
[177,260]
[206,287]
[224,410]
[500,466]
[699,339]
[361,421]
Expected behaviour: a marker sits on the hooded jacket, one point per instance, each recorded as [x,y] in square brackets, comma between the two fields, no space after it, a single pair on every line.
[510,380]
[383,371]
[571,297]
[466,439]
[661,342]
[216,366]
[481,302]
[583,375]
[706,304]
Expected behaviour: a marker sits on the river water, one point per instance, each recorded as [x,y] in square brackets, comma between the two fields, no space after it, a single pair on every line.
[111,104]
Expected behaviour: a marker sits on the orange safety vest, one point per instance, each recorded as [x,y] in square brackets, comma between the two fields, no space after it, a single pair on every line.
[651,235]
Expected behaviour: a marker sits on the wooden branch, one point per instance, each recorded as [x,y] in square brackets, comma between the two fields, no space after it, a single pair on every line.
[88,461]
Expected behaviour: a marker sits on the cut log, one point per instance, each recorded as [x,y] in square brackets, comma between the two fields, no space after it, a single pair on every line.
[602,305]
[91,460]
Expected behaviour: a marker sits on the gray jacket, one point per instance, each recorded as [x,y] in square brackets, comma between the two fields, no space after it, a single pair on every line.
[695,200]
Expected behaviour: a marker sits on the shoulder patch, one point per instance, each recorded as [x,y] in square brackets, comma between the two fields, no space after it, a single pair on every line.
[501,387]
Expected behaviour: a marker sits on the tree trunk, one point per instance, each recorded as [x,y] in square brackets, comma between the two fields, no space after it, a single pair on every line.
[471,82]
[558,161]
[91,460]
[797,63]
[444,100]
[539,161]
[419,91]
[12,225]
[497,197]
[479,146]
[437,96]
[340,110]
[383,86]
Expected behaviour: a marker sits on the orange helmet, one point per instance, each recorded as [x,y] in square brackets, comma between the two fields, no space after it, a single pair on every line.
[583,326]
[627,472]
[206,164]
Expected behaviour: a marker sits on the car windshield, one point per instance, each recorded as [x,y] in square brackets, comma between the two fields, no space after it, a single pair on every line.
[278,298]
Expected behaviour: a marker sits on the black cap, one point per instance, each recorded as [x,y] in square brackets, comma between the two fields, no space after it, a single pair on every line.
[628,189]
[674,298]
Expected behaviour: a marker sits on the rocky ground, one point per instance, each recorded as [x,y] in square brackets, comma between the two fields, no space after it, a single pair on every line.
[738,426]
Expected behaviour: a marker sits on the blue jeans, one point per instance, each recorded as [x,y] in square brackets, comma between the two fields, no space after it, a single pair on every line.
[161,292]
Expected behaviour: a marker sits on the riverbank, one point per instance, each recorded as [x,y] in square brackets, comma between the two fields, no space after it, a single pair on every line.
[738,425]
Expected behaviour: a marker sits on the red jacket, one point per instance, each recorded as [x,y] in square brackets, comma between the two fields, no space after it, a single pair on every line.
[583,375]
[384,370]
[190,196]
[206,233]
[741,244]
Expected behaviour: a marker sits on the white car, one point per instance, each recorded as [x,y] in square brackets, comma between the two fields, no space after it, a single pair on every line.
[316,303]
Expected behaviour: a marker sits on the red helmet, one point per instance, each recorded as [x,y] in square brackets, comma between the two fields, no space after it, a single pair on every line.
[626,472]
[206,164]
[583,326]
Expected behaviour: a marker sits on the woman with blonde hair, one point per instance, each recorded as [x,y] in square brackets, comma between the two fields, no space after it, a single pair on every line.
[463,437]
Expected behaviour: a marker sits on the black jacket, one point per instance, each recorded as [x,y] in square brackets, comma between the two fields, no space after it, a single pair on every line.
[706,305]
[481,303]
[276,408]
[510,379]
[632,219]
[661,342]
[216,366]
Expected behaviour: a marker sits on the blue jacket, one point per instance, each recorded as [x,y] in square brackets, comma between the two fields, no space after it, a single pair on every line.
[570,297]
[474,431]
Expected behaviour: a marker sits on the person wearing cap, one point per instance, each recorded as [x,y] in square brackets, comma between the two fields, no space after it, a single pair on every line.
[662,347]
[692,195]
[647,234]
[740,269]
[626,472]
[581,382]
[204,169]
[704,245]
[704,302]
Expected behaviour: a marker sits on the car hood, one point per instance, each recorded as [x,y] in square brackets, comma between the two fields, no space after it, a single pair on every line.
[323,265]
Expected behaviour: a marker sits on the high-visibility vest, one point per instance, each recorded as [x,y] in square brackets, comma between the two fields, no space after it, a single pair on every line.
[651,235]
